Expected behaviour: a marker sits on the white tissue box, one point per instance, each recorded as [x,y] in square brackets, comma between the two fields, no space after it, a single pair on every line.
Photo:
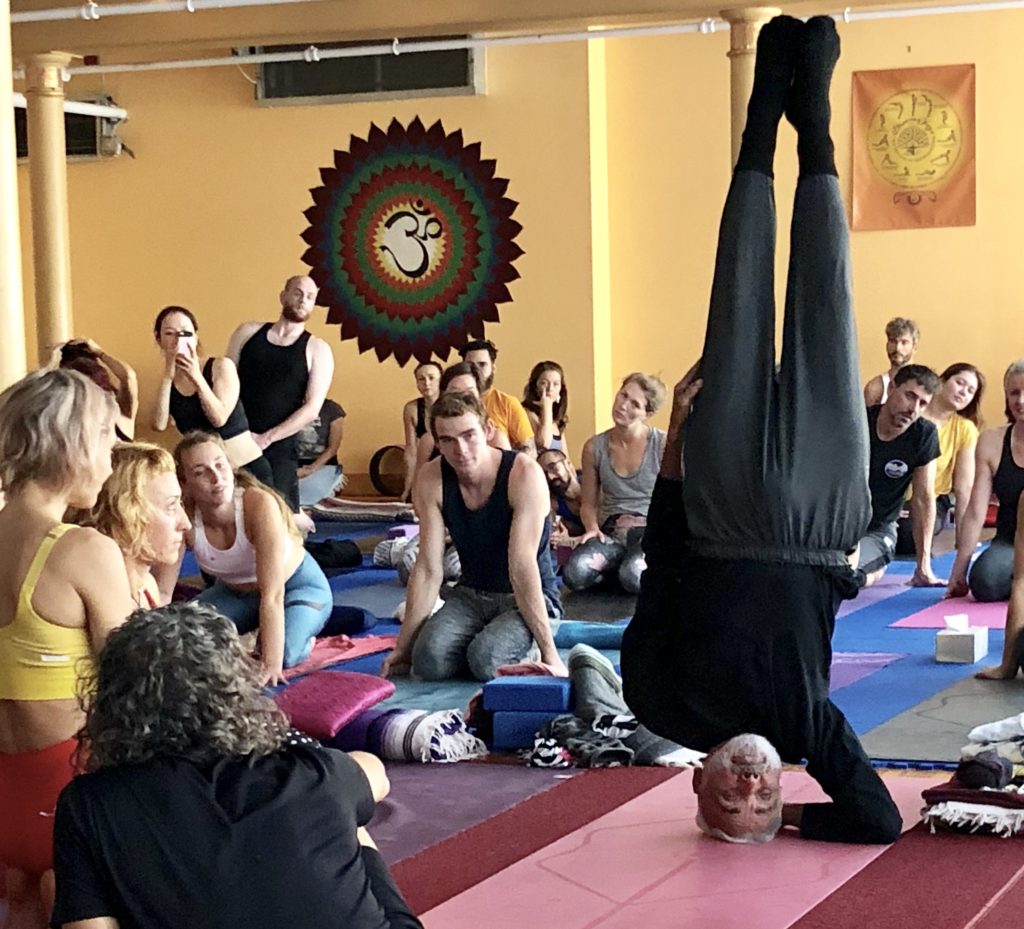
[961,646]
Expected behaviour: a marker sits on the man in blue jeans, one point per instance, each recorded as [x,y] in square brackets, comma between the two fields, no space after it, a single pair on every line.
[495,506]
[730,648]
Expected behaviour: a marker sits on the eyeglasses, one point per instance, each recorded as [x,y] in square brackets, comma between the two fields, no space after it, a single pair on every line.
[179,333]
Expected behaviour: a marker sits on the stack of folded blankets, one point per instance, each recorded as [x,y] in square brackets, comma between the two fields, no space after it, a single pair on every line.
[986,794]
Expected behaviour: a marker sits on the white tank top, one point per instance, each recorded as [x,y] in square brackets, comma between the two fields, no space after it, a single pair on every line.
[234,566]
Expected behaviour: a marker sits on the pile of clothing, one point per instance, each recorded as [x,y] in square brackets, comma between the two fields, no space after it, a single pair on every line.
[601,732]
[986,794]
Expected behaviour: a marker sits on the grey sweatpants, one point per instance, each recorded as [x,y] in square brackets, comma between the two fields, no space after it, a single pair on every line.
[776,460]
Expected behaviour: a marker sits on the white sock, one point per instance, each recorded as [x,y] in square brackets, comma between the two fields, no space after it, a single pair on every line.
[1010,728]
[681,758]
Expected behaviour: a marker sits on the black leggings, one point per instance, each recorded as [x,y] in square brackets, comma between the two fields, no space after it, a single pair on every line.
[776,459]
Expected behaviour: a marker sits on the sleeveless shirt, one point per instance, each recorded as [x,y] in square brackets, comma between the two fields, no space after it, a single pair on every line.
[481,536]
[189,414]
[274,380]
[1007,484]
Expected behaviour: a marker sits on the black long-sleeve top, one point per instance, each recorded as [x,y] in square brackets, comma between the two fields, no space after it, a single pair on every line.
[720,647]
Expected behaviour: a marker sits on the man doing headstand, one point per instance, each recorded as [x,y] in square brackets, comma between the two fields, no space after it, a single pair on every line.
[729,651]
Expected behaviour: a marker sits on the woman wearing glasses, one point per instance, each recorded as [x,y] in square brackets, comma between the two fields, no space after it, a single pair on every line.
[198,394]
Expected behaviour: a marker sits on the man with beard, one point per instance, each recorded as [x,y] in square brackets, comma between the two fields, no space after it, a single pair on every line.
[901,338]
[566,495]
[504,411]
[903,451]
[284,373]
[730,648]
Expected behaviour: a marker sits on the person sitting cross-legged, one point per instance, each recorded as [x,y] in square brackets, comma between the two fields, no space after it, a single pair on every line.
[495,505]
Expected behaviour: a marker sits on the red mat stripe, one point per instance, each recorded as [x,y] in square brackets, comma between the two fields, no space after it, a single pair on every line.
[461,861]
[941,881]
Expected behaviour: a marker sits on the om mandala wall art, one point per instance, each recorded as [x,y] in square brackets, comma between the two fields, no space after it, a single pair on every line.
[411,241]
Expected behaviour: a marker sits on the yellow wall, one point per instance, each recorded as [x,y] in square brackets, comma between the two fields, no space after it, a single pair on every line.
[668,106]
[633,133]
[209,217]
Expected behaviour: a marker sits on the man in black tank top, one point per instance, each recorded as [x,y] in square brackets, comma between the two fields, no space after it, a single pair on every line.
[284,373]
[495,505]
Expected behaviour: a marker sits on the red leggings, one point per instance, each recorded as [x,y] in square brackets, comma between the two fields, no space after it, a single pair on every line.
[30,783]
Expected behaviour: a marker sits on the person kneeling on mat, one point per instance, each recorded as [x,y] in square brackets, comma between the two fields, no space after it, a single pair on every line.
[244,536]
[729,650]
[495,506]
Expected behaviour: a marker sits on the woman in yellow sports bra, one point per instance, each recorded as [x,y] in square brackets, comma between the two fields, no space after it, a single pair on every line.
[62,589]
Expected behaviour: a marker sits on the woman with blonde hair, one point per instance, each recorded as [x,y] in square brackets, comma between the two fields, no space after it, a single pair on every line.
[63,588]
[140,508]
[193,775]
[243,535]
[620,467]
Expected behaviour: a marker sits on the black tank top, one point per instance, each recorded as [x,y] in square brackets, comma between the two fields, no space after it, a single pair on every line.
[1007,484]
[188,412]
[481,536]
[421,417]
[274,380]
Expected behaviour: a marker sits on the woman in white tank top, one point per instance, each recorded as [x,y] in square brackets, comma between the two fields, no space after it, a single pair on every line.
[243,535]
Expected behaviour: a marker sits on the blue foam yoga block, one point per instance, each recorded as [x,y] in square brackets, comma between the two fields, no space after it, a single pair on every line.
[523,694]
[516,730]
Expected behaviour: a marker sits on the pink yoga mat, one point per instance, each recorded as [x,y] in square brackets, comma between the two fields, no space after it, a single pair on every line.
[646,864]
[992,615]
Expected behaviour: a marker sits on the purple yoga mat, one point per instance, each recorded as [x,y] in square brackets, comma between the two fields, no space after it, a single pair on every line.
[848,667]
[430,802]
[887,587]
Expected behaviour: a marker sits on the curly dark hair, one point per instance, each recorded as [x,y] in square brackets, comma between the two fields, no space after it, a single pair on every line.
[176,682]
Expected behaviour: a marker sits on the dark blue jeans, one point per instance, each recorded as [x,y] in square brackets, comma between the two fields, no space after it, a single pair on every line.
[776,459]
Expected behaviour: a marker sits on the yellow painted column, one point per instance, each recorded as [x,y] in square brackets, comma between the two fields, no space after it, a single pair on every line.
[744,25]
[12,308]
[51,251]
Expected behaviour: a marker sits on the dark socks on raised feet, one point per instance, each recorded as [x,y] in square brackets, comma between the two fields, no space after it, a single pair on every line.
[777,46]
[808,107]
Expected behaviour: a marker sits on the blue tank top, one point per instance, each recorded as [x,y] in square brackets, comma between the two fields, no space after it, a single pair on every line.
[481,536]
[1007,484]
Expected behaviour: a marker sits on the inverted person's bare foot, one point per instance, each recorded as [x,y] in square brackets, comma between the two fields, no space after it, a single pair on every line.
[996,673]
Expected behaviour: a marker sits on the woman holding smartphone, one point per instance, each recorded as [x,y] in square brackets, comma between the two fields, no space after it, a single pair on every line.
[198,394]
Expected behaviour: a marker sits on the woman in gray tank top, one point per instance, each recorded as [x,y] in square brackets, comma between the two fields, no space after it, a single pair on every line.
[620,467]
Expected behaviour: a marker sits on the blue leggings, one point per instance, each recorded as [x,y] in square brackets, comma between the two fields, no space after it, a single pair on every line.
[307,606]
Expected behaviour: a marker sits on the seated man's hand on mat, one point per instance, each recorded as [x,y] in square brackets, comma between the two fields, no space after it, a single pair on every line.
[397,664]
[957,587]
[925,579]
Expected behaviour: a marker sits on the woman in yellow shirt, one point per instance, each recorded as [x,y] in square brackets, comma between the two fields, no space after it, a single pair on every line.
[955,410]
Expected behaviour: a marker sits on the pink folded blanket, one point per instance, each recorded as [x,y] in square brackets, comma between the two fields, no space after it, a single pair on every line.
[332,649]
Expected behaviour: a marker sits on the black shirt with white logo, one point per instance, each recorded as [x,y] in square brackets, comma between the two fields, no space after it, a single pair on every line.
[893,464]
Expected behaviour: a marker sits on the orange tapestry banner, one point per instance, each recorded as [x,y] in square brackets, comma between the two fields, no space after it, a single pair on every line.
[913,148]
